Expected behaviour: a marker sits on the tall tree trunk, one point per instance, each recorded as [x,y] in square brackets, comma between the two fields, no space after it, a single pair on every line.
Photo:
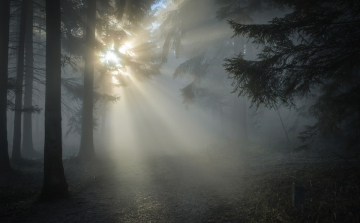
[54,185]
[4,57]
[27,145]
[16,155]
[87,137]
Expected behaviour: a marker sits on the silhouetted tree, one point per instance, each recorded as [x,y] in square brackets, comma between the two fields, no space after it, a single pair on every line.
[205,54]
[16,152]
[27,144]
[87,136]
[54,184]
[143,66]
[4,43]
[313,50]
[242,11]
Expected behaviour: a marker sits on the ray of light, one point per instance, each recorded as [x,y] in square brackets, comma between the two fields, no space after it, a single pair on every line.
[126,48]
[110,57]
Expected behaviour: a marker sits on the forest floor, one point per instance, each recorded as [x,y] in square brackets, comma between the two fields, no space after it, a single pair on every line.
[212,186]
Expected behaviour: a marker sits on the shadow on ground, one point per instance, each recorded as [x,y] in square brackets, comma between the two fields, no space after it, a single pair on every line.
[187,187]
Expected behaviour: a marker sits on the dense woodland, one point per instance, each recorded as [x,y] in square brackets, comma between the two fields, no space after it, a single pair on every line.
[184,110]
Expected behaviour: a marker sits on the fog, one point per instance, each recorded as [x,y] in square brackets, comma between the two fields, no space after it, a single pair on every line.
[150,117]
[182,111]
[179,111]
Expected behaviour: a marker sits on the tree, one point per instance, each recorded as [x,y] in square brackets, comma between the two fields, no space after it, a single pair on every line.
[27,145]
[87,137]
[205,50]
[311,51]
[242,11]
[16,152]
[4,43]
[143,65]
[54,184]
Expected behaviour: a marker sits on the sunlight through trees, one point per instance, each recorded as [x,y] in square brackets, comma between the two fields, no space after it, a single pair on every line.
[179,110]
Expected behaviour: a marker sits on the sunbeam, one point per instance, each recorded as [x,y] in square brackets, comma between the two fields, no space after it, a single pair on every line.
[179,111]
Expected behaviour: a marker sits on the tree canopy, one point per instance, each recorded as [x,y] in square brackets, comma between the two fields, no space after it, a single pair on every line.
[311,51]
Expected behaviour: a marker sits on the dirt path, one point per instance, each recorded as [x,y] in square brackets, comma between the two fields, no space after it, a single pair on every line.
[161,189]
[179,188]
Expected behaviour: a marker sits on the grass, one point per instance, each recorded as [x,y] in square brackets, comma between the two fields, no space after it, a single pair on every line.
[263,190]
[331,194]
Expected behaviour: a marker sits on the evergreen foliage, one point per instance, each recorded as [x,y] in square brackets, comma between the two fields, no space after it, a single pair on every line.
[311,51]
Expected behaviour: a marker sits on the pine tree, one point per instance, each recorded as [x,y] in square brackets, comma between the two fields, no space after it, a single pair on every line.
[54,184]
[143,66]
[27,145]
[87,137]
[4,43]
[16,152]
[205,51]
[311,51]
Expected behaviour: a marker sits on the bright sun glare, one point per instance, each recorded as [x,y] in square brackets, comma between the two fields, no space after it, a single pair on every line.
[111,58]
[115,80]
[126,49]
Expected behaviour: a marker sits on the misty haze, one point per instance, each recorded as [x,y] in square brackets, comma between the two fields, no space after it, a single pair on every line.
[179,111]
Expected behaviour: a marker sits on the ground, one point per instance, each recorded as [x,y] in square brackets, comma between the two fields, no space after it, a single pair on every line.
[211,186]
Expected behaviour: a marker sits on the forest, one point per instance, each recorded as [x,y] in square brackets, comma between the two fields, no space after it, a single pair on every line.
[179,111]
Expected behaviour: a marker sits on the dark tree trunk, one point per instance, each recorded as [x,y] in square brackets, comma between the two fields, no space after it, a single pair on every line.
[16,155]
[4,44]
[87,138]
[27,145]
[54,185]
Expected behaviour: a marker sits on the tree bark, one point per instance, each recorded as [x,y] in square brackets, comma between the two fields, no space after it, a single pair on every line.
[54,184]
[27,145]
[4,57]
[16,155]
[87,138]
